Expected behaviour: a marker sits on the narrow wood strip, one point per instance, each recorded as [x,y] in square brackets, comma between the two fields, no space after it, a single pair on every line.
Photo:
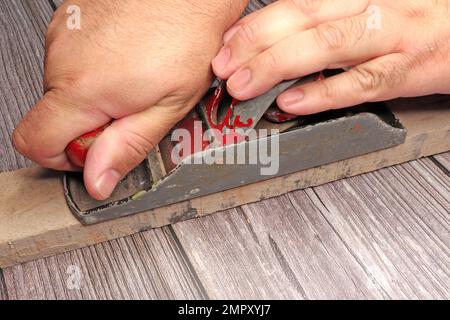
[144,266]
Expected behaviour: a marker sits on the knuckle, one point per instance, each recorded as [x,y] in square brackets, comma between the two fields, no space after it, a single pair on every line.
[20,142]
[249,32]
[306,7]
[367,78]
[357,28]
[328,91]
[416,11]
[272,60]
[138,146]
[330,37]
[438,51]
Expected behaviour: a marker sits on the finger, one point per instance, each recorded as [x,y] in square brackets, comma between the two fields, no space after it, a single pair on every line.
[247,19]
[123,146]
[334,44]
[52,123]
[388,77]
[275,23]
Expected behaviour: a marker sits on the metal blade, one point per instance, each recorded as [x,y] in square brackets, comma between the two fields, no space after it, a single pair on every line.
[255,108]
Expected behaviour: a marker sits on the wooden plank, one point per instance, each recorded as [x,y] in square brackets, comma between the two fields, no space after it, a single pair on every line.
[144,266]
[22,28]
[444,160]
[380,235]
[37,222]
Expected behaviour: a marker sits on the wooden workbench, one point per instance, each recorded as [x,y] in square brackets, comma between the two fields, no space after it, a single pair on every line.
[378,235]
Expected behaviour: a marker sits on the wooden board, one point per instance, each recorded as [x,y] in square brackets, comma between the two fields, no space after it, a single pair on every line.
[37,223]
[378,235]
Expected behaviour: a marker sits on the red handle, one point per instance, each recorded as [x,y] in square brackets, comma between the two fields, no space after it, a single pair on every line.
[77,150]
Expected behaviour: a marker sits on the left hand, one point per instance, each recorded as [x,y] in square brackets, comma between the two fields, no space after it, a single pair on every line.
[395,49]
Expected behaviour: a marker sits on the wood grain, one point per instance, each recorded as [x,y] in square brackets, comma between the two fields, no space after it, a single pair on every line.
[444,160]
[22,29]
[395,222]
[379,235]
[3,292]
[144,266]
[22,24]
[57,3]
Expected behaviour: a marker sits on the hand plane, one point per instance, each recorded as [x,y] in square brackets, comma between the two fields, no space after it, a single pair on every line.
[224,144]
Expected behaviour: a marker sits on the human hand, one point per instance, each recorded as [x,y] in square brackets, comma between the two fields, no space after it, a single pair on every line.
[396,49]
[140,64]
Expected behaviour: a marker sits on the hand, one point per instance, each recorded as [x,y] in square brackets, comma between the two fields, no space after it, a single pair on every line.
[396,49]
[140,64]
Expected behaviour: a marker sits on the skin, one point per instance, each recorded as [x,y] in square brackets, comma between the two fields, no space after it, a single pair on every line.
[396,49]
[140,64]
[131,64]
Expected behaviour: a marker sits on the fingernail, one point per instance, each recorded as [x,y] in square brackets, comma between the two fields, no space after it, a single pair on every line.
[239,81]
[107,183]
[220,62]
[292,99]
[230,33]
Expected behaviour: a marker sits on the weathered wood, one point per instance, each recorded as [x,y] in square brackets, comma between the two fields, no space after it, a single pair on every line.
[37,222]
[379,235]
[144,266]
[22,28]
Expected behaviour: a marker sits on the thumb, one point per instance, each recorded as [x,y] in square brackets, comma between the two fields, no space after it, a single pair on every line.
[123,146]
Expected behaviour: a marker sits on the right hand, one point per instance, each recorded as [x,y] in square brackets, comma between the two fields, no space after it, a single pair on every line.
[140,64]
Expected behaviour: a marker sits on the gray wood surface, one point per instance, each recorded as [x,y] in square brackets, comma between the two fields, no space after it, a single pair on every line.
[3,292]
[444,161]
[379,235]
[22,29]
[145,266]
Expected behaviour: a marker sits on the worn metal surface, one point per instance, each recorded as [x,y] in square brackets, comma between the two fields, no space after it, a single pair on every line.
[309,146]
